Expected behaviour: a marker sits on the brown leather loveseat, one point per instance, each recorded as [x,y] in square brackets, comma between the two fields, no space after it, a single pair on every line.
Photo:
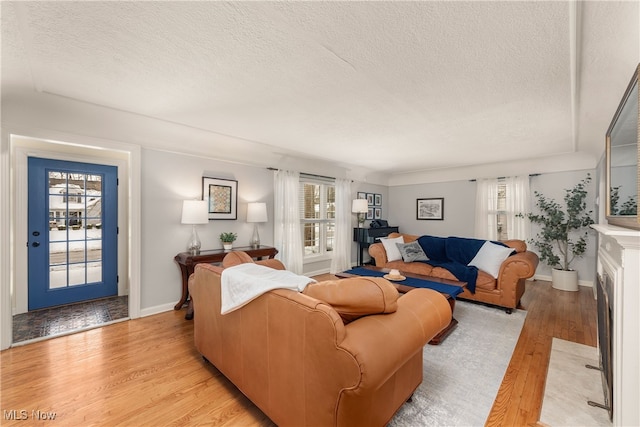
[504,291]
[303,361]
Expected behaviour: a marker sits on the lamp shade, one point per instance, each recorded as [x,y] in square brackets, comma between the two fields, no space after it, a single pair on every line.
[195,212]
[257,212]
[359,206]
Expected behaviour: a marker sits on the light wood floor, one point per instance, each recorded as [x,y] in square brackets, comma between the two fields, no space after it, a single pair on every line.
[147,372]
[551,313]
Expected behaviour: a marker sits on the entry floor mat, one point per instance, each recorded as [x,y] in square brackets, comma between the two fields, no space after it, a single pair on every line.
[49,322]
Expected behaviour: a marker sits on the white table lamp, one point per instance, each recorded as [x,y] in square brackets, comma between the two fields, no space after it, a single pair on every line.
[256,212]
[194,212]
[360,207]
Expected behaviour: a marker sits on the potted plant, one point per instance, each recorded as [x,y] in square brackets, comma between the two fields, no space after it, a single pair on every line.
[563,233]
[227,240]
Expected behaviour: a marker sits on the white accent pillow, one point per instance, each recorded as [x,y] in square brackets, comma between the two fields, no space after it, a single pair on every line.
[490,257]
[393,253]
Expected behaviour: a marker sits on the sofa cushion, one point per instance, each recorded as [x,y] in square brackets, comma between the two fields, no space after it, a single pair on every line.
[485,281]
[411,267]
[490,257]
[393,254]
[356,297]
[411,252]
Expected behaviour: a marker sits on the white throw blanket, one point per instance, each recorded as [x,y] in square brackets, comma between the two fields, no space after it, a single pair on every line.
[244,282]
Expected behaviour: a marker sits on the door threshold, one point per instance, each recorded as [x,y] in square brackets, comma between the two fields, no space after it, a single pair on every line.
[62,334]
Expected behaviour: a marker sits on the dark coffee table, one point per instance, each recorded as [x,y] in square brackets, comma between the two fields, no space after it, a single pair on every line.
[450,290]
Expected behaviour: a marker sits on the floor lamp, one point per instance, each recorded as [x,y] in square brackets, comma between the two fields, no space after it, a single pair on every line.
[360,208]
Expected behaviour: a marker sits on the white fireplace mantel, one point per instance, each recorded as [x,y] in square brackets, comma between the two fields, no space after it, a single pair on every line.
[619,258]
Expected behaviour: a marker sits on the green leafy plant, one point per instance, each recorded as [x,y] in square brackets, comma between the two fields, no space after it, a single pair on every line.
[629,207]
[228,237]
[563,233]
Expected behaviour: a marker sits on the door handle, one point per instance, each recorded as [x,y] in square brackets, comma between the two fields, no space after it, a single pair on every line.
[35,244]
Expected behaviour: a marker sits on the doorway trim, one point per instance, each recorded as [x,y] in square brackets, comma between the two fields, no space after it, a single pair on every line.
[80,262]
[62,146]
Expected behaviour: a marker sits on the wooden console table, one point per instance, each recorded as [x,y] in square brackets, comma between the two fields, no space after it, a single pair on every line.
[187,263]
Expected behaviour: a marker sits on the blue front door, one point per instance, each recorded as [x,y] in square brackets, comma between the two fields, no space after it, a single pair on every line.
[73,232]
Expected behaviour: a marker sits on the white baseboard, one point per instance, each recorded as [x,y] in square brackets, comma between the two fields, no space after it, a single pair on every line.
[587,283]
[150,311]
[317,272]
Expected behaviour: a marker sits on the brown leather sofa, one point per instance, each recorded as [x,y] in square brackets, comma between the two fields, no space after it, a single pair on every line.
[505,291]
[303,361]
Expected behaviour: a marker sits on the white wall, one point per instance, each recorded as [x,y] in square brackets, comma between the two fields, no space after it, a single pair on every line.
[167,180]
[459,208]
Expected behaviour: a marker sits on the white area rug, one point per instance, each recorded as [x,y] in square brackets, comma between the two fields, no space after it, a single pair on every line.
[462,375]
[570,385]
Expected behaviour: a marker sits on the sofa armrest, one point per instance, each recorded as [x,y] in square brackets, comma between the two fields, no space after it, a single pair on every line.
[377,252]
[522,265]
[518,245]
[421,315]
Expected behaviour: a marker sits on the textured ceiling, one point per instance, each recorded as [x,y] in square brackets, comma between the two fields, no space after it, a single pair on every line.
[389,86]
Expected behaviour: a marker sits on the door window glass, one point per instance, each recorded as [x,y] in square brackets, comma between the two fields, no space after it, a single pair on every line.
[75,235]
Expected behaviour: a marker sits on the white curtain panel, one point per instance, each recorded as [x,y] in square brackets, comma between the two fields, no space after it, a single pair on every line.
[287,233]
[341,258]
[518,201]
[486,208]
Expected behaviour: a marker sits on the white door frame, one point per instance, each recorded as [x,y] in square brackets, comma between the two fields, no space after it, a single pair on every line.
[13,221]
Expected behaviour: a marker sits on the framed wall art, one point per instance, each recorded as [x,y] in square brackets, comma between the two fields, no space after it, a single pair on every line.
[377,199]
[377,214]
[370,199]
[370,213]
[221,196]
[361,195]
[430,208]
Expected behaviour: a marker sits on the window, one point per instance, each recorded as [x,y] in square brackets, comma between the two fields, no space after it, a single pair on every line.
[501,212]
[317,215]
[498,203]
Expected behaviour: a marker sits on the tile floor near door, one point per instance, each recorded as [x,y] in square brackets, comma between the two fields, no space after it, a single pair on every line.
[54,321]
